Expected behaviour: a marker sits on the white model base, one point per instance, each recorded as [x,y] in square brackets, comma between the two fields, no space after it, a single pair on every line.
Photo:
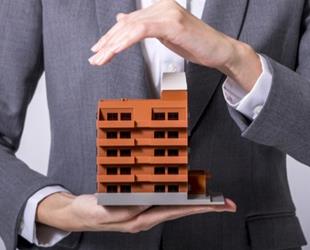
[157,199]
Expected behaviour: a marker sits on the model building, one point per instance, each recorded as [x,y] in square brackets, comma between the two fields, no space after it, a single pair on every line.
[142,151]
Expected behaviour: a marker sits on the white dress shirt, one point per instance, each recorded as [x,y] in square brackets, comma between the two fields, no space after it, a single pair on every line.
[159,59]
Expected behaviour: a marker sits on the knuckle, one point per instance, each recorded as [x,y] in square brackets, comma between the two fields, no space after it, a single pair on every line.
[142,28]
[122,21]
[177,15]
[176,19]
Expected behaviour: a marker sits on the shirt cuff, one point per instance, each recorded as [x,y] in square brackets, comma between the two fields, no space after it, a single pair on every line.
[249,104]
[39,234]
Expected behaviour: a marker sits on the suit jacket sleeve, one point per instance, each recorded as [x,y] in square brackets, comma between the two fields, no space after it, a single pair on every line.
[21,65]
[284,120]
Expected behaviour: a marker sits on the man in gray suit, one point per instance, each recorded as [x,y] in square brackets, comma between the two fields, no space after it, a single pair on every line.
[241,39]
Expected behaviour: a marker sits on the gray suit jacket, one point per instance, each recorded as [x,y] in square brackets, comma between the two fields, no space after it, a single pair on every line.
[55,36]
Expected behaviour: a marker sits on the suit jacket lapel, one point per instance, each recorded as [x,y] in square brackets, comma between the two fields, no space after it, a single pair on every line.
[227,17]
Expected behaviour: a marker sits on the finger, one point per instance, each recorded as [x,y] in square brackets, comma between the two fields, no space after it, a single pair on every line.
[153,217]
[101,56]
[108,50]
[165,213]
[107,36]
[121,21]
[229,206]
[159,215]
[123,39]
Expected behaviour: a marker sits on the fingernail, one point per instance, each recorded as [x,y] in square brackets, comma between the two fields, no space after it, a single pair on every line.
[92,59]
[100,58]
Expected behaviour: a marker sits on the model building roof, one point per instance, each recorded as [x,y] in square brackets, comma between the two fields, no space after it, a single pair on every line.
[173,94]
[175,81]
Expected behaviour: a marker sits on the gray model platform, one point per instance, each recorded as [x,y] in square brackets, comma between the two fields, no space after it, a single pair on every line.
[157,199]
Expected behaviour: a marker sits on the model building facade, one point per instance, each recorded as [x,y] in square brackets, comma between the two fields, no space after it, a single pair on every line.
[142,149]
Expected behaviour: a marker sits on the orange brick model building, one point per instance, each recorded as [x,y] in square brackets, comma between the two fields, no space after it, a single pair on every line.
[142,151]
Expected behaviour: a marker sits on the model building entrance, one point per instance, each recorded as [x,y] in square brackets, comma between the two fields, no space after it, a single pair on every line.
[142,151]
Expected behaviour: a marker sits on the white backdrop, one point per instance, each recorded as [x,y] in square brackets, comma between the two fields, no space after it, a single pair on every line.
[34,150]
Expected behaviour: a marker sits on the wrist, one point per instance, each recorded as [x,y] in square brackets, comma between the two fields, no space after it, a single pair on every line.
[242,65]
[54,210]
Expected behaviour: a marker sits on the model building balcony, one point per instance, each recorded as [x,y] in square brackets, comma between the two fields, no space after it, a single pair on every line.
[116,142]
[104,160]
[161,155]
[161,142]
[142,124]
[116,178]
[162,160]
[141,142]
[115,124]
[147,137]
[161,124]
[161,178]
[116,160]
[141,178]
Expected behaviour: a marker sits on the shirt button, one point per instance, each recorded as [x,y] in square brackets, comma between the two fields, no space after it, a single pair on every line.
[22,225]
[172,67]
[257,110]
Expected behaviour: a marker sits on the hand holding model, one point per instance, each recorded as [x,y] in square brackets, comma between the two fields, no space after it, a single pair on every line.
[195,41]
[81,213]
[184,34]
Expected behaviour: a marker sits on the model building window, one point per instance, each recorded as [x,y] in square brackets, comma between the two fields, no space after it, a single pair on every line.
[125,134]
[173,170]
[159,170]
[112,116]
[159,134]
[159,152]
[173,152]
[101,115]
[111,152]
[111,171]
[173,134]
[111,189]
[125,116]
[125,189]
[125,152]
[111,134]
[173,116]
[173,188]
[158,116]
[125,170]
[159,188]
